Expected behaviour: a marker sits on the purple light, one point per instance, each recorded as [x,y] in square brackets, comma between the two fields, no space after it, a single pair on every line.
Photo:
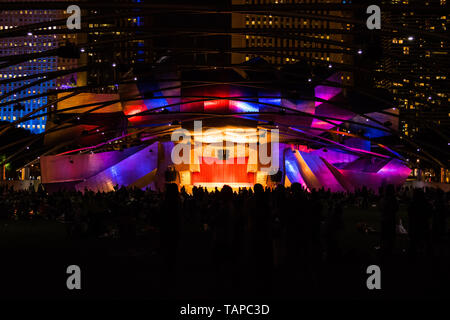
[65,86]
[327,92]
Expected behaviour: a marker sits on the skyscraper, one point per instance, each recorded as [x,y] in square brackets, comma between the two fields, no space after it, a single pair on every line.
[422,57]
[111,42]
[289,37]
[31,43]
[417,49]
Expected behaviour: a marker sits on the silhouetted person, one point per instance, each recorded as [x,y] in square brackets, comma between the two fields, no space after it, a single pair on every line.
[295,229]
[169,225]
[316,211]
[223,227]
[224,230]
[365,198]
[440,213]
[280,211]
[389,208]
[418,214]
[261,248]
[333,228]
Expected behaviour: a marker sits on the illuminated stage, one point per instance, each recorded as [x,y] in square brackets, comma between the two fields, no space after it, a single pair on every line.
[249,134]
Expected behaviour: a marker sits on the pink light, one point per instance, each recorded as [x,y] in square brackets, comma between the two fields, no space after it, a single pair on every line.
[320,124]
[326,92]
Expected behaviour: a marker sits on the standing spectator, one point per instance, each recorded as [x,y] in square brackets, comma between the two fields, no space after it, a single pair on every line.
[389,208]
[418,214]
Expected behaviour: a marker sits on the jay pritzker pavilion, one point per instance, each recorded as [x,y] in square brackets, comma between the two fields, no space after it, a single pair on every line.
[312,131]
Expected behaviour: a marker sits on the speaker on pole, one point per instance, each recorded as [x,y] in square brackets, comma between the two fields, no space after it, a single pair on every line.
[170,174]
[276,177]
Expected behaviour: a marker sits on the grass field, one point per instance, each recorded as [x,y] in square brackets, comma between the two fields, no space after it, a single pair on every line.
[51,234]
[35,255]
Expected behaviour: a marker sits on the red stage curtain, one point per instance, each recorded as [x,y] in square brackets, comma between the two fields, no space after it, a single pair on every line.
[220,171]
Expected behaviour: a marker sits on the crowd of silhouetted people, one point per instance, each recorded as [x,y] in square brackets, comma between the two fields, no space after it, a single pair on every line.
[255,229]
[280,225]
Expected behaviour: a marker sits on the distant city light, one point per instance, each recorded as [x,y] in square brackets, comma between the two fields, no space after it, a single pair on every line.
[410,38]
[360,51]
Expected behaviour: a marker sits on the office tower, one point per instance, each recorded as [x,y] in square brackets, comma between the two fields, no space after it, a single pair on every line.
[31,43]
[416,54]
[112,44]
[290,38]
[423,93]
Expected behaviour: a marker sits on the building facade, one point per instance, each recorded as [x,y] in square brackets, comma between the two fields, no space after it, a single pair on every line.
[31,43]
[291,37]
[417,49]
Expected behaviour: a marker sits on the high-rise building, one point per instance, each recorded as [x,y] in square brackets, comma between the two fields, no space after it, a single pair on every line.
[422,94]
[111,41]
[31,43]
[415,55]
[288,38]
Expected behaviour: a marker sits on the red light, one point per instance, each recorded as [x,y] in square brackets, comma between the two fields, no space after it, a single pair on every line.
[130,110]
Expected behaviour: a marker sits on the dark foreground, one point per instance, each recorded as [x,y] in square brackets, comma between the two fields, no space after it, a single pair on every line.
[200,265]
